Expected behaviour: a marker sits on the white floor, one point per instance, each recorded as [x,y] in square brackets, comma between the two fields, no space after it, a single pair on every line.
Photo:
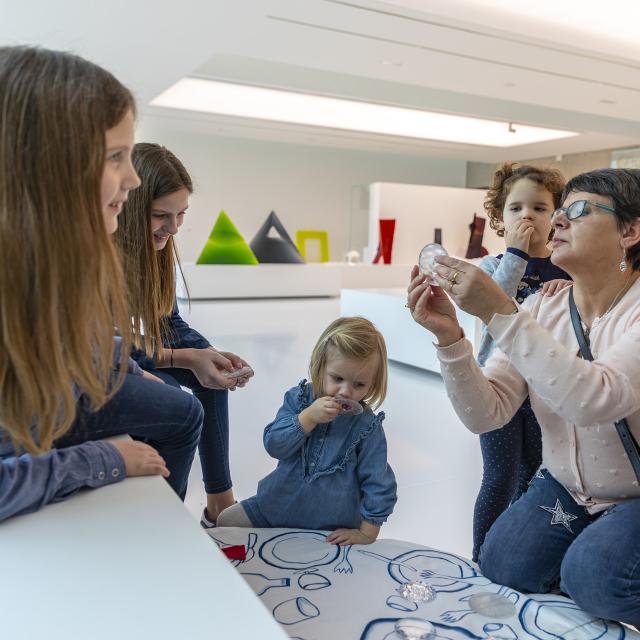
[436,460]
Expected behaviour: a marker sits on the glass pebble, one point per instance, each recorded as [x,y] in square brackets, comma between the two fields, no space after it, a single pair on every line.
[417,591]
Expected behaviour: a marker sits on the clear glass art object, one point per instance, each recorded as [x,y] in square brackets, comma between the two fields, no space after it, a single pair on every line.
[426,260]
[348,406]
[414,629]
[492,605]
[417,591]
[238,373]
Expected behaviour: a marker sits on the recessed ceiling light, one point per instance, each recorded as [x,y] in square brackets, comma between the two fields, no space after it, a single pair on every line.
[607,101]
[390,63]
[509,84]
[244,101]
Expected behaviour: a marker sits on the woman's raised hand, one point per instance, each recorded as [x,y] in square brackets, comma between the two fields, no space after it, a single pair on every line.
[431,308]
[473,290]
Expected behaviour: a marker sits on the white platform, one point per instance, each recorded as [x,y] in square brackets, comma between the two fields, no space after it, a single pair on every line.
[224,281]
[125,561]
[407,342]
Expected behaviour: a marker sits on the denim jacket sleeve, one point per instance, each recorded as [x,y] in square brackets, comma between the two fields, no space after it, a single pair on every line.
[29,482]
[284,437]
[507,272]
[376,478]
[182,336]
[132,365]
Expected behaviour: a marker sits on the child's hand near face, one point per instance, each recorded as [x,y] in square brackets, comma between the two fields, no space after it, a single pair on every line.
[552,287]
[519,235]
[323,410]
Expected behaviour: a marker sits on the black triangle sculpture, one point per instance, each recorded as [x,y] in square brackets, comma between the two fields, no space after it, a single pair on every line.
[280,249]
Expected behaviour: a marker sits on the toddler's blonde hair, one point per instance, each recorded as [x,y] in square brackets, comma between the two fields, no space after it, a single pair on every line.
[353,337]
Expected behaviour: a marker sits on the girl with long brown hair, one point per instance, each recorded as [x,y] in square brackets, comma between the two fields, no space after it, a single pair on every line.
[170,347]
[66,133]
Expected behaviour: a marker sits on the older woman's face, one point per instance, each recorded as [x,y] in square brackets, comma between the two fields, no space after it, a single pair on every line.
[593,240]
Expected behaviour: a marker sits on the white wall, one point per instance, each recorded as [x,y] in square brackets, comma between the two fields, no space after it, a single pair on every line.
[309,187]
[419,209]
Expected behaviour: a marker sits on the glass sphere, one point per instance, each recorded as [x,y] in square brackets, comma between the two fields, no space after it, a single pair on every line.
[426,260]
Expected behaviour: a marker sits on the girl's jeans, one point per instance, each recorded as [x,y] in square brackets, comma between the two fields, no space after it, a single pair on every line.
[213,447]
[167,418]
[546,540]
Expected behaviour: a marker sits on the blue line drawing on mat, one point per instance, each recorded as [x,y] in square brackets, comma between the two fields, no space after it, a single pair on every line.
[344,565]
[552,618]
[443,571]
[298,550]
[295,610]
[312,580]
[261,583]
[251,543]
[486,603]
[401,604]
[500,631]
[384,629]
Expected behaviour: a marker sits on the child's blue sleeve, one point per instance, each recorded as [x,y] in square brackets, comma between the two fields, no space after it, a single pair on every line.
[508,273]
[377,481]
[284,436]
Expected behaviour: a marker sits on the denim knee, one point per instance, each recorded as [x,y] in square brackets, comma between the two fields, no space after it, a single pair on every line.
[195,419]
[512,568]
[605,582]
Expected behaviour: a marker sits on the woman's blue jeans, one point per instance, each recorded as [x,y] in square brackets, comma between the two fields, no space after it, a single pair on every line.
[545,540]
[213,447]
[167,418]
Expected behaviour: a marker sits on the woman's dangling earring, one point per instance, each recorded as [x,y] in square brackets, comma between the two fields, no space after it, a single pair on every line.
[623,262]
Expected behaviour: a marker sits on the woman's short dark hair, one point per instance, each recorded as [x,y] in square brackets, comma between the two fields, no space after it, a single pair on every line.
[623,187]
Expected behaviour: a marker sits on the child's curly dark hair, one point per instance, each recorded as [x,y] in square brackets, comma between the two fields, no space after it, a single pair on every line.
[506,176]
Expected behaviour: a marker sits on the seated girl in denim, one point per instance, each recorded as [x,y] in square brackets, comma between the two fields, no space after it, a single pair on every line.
[332,468]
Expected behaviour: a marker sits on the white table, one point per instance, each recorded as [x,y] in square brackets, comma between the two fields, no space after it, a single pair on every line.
[125,561]
[407,342]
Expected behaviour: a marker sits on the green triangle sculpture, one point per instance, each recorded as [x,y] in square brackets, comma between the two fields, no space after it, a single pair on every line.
[226,245]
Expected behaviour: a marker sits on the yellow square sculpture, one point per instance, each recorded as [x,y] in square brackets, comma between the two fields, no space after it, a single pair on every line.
[322,236]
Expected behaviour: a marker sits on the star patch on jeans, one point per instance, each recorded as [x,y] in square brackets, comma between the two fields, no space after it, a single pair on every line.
[560,516]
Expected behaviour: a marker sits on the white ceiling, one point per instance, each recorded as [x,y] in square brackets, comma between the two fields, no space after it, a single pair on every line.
[459,56]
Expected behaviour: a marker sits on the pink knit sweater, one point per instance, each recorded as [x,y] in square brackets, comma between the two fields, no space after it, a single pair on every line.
[576,401]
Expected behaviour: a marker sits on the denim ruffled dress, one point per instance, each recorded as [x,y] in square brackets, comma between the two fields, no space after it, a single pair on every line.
[334,477]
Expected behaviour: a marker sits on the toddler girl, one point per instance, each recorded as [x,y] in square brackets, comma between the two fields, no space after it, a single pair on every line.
[332,468]
[519,205]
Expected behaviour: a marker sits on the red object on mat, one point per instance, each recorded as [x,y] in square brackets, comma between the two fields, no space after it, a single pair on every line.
[235,552]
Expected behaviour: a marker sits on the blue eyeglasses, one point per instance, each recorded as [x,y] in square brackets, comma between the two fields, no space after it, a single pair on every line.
[578,209]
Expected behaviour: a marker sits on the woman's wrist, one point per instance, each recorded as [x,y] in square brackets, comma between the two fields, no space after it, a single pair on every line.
[181,358]
[446,339]
[504,308]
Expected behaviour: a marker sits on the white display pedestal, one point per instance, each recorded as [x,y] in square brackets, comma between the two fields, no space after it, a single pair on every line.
[229,281]
[407,342]
[125,561]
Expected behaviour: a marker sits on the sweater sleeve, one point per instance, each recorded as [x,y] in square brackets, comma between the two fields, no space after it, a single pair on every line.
[29,482]
[528,357]
[584,393]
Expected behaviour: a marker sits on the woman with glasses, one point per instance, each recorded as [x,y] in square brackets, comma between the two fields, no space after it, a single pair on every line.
[577,528]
